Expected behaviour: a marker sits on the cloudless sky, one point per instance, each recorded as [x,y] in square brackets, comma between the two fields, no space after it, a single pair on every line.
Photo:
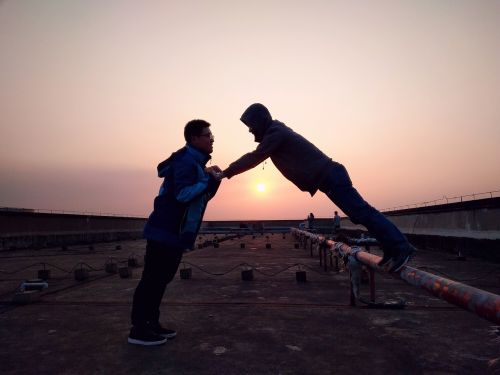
[93,94]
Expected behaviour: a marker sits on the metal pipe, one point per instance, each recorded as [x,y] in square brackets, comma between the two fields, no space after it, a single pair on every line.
[323,249]
[352,299]
[480,302]
[372,284]
[483,303]
[320,254]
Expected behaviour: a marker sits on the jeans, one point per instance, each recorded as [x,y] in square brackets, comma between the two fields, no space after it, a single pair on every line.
[160,266]
[338,187]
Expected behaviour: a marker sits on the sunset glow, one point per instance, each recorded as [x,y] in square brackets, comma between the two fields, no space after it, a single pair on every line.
[93,95]
[261,188]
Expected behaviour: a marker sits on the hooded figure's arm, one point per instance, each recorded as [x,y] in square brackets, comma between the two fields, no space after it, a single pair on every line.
[265,149]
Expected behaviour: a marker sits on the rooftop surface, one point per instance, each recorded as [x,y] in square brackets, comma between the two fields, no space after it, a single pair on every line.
[271,325]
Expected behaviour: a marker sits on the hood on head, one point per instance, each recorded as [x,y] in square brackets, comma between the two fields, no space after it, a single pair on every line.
[258,119]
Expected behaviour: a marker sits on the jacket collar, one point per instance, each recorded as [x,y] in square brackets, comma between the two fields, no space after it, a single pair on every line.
[199,155]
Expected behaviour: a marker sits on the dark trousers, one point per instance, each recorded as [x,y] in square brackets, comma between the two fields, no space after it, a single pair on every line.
[338,187]
[160,265]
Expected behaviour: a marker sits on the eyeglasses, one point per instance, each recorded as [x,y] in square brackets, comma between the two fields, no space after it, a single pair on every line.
[209,135]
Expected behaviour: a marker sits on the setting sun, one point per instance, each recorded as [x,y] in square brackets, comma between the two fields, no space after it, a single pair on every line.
[261,187]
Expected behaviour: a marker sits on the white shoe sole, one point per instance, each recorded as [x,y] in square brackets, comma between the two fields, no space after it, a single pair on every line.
[402,265]
[146,343]
[168,335]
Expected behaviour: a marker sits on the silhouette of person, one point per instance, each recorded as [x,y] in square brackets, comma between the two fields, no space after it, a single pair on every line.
[172,228]
[310,221]
[336,222]
[311,170]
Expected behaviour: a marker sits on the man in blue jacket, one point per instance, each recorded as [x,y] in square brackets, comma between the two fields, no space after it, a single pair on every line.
[311,170]
[172,227]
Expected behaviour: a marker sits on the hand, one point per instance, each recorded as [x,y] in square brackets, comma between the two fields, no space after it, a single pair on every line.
[216,172]
[212,170]
[219,176]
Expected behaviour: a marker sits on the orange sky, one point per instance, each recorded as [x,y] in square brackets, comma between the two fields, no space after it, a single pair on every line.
[94,94]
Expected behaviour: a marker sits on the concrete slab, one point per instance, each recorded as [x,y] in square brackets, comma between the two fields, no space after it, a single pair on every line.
[271,325]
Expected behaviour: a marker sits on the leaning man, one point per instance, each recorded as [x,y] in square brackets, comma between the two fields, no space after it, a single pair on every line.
[172,228]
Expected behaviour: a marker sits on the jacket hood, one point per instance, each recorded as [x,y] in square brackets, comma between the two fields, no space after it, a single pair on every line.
[258,119]
[200,156]
[165,164]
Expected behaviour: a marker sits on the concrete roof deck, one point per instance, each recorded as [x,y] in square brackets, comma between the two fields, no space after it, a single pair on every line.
[271,325]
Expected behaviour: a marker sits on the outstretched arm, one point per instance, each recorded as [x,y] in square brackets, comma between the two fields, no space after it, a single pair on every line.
[250,160]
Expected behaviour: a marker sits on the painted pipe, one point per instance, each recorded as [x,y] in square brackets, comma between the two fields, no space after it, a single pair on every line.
[480,302]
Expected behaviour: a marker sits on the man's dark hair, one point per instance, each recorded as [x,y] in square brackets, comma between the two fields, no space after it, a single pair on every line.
[194,127]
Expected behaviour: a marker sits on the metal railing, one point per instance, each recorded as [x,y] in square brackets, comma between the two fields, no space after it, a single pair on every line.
[443,200]
[480,302]
[446,200]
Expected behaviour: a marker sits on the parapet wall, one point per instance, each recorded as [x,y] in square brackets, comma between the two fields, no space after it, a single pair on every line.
[471,227]
[23,229]
[468,228]
[478,219]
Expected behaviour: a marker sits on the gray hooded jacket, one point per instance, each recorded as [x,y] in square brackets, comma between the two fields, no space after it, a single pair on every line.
[295,157]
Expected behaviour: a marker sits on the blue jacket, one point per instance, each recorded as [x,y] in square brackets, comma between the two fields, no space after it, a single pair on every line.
[183,197]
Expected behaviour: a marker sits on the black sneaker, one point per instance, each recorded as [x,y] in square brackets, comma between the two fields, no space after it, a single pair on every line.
[399,260]
[145,337]
[386,258]
[164,332]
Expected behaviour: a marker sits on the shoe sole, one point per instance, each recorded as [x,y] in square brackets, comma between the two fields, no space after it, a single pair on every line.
[398,268]
[168,335]
[146,343]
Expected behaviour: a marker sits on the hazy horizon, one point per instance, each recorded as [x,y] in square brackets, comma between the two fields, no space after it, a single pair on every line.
[93,95]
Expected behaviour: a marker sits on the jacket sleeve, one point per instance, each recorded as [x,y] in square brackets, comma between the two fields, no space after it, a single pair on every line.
[265,149]
[188,184]
[213,186]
